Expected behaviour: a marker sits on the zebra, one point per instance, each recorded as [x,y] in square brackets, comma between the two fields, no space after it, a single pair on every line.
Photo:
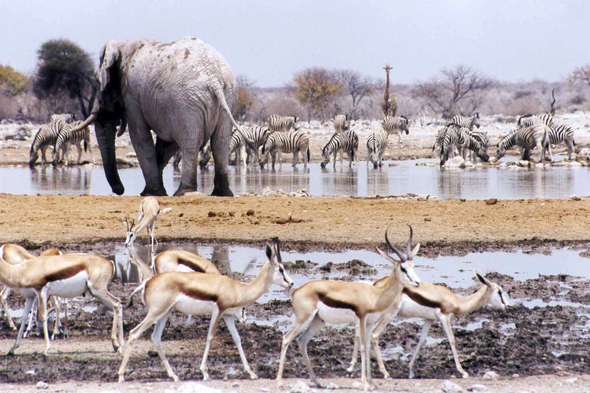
[345,142]
[376,146]
[466,141]
[67,117]
[65,138]
[468,122]
[236,143]
[255,137]
[286,142]
[341,123]
[565,134]
[46,136]
[396,125]
[526,139]
[282,123]
[204,154]
[447,142]
[531,120]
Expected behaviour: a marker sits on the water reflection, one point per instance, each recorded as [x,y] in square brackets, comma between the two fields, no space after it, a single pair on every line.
[399,179]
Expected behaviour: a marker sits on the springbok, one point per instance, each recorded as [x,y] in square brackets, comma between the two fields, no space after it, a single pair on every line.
[203,294]
[319,302]
[435,302]
[65,276]
[15,255]
[149,210]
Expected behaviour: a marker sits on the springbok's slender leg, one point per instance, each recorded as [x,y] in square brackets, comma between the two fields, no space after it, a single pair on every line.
[114,305]
[446,324]
[423,336]
[157,340]
[215,317]
[3,296]
[26,311]
[42,304]
[315,325]
[230,322]
[287,339]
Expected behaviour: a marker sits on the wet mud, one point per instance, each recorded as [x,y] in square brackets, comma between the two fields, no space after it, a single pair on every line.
[545,331]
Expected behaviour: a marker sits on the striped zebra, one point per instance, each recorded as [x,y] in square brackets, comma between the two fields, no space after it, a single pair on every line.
[237,143]
[376,146]
[67,117]
[286,142]
[341,123]
[447,143]
[255,137]
[467,142]
[565,134]
[277,123]
[468,122]
[66,137]
[45,137]
[526,139]
[531,120]
[345,142]
[396,125]
[204,156]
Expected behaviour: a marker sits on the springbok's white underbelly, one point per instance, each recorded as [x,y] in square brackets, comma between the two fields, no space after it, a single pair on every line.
[342,316]
[184,269]
[411,309]
[191,306]
[70,287]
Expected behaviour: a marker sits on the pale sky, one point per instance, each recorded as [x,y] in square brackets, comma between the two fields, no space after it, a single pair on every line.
[268,41]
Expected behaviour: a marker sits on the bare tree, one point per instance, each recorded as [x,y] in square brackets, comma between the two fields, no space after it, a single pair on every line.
[315,88]
[457,91]
[357,86]
[581,74]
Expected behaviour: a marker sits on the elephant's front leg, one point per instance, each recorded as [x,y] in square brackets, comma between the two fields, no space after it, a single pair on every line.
[142,141]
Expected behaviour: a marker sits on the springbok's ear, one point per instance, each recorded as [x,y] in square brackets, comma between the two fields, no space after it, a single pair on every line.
[269,251]
[482,279]
[415,250]
[387,256]
[108,57]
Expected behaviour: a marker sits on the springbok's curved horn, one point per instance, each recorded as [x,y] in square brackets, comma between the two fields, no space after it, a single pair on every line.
[410,241]
[85,123]
[400,254]
[278,247]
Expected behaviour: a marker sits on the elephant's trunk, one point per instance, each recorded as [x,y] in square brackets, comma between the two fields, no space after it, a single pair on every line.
[105,135]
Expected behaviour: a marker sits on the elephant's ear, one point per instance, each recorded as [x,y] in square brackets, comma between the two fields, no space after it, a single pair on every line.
[108,56]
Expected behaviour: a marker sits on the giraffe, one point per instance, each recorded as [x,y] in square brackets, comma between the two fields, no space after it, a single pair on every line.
[389,103]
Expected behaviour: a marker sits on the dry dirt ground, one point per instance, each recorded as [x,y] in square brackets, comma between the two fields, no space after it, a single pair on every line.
[546,346]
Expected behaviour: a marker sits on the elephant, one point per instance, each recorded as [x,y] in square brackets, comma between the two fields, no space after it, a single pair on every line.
[182,91]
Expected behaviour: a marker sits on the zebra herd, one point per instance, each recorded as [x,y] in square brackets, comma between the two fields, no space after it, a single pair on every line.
[58,133]
[459,137]
[283,135]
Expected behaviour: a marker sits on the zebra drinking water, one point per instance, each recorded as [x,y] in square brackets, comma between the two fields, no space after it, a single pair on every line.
[526,139]
[286,142]
[376,146]
[345,142]
[66,137]
[255,137]
[45,137]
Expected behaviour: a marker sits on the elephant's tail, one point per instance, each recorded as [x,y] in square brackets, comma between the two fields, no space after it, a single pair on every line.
[220,94]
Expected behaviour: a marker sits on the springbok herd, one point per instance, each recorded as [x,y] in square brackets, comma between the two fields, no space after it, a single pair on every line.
[180,280]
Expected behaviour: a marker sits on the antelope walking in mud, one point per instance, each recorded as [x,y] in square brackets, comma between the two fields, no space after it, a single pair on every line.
[435,302]
[203,294]
[319,302]
[65,276]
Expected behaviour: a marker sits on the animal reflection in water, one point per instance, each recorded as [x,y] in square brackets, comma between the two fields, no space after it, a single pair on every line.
[59,179]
